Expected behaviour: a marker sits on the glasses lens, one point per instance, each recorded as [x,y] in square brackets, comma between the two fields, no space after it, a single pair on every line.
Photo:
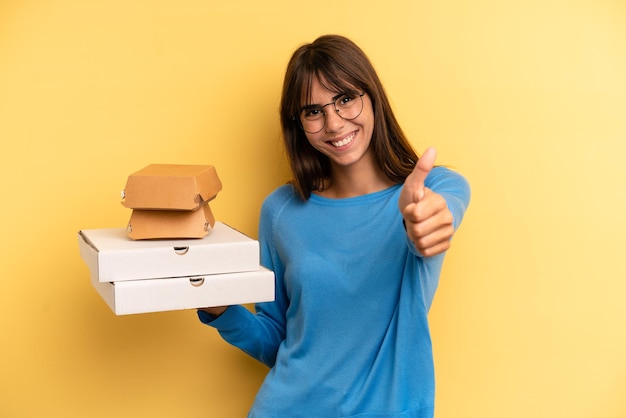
[312,119]
[348,106]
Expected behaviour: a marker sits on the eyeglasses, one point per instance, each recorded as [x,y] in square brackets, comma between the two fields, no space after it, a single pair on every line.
[348,106]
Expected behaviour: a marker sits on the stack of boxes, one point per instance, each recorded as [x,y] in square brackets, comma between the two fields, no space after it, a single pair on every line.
[173,254]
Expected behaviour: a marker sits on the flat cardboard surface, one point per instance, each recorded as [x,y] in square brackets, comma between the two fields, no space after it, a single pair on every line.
[113,257]
[168,294]
[164,224]
[171,187]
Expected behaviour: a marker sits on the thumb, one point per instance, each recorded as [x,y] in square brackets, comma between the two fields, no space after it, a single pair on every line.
[420,172]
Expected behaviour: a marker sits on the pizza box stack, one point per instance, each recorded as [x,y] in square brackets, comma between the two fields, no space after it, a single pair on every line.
[173,254]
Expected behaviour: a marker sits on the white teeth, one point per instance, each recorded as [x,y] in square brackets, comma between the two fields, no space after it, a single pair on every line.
[343,142]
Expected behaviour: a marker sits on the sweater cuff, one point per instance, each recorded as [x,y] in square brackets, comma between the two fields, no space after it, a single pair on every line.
[229,319]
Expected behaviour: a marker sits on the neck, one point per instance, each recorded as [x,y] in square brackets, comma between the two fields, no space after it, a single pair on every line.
[357,180]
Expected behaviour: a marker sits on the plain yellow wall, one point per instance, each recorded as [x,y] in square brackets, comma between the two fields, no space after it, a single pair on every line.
[527,99]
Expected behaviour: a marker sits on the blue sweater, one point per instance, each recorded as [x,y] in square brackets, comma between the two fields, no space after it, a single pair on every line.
[348,332]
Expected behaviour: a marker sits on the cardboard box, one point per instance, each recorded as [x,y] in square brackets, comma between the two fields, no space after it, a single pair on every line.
[113,257]
[162,224]
[168,294]
[171,187]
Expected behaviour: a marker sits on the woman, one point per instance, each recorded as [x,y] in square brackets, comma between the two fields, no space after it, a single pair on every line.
[356,242]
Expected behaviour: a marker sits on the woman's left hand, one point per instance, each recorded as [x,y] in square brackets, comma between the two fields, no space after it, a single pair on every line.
[428,221]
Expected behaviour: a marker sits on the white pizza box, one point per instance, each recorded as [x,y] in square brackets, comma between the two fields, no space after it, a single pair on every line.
[114,257]
[169,294]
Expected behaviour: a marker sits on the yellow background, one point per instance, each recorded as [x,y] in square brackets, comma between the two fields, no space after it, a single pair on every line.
[527,99]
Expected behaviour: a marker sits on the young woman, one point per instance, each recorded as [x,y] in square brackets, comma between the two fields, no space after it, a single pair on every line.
[356,242]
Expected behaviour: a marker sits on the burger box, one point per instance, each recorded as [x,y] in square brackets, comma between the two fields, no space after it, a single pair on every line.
[160,275]
[171,187]
[169,294]
[113,257]
[163,224]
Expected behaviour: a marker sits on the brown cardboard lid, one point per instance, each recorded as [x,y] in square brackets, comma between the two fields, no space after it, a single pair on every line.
[171,187]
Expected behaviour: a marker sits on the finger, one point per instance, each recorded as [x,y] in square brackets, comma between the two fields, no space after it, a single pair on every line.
[425,164]
[420,172]
[427,242]
[435,249]
[424,221]
[430,206]
[436,224]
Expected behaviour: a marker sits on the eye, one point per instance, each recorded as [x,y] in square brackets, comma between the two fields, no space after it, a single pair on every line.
[311,112]
[346,99]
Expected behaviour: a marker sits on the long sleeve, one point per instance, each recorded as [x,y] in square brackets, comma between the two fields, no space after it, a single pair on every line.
[455,190]
[258,335]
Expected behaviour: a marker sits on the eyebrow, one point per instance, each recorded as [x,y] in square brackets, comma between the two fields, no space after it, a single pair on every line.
[334,99]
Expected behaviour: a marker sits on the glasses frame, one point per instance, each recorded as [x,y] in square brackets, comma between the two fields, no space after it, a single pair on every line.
[334,103]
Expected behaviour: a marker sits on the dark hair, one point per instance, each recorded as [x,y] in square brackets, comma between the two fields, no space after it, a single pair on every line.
[343,66]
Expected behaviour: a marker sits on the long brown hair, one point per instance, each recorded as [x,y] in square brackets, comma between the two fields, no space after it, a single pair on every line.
[343,66]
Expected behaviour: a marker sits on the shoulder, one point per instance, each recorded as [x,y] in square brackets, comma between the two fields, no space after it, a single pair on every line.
[280,196]
[278,199]
[442,179]
[454,188]
[273,207]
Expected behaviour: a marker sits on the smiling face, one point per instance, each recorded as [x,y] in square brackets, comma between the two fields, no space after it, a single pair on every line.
[345,142]
[377,153]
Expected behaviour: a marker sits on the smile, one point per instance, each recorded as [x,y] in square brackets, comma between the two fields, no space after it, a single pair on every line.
[344,141]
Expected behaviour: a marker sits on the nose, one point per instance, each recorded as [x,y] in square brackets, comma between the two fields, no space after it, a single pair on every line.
[334,122]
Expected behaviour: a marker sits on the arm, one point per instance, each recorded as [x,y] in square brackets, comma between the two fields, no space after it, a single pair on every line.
[260,334]
[432,214]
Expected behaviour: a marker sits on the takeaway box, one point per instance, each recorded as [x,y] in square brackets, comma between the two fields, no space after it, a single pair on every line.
[168,294]
[162,275]
[113,257]
[171,187]
[163,224]
[171,201]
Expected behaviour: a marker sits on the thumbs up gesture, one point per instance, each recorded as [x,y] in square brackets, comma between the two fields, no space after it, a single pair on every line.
[427,219]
